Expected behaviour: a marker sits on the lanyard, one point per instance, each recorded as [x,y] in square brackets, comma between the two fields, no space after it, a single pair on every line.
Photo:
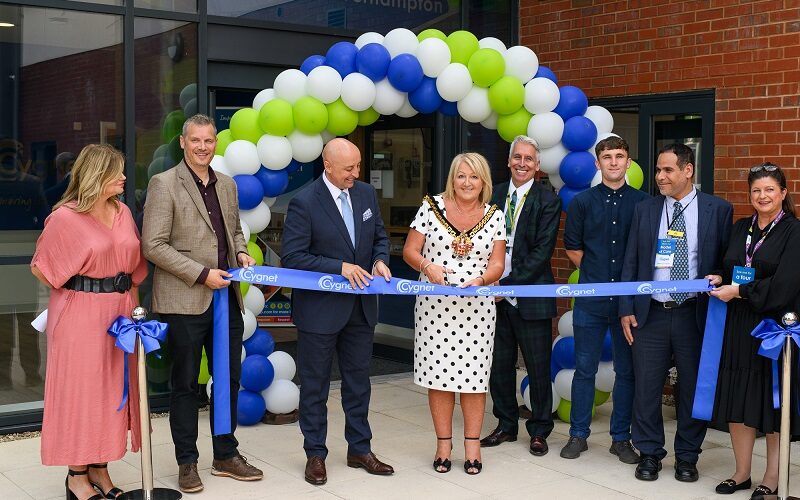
[516,210]
[683,209]
[748,257]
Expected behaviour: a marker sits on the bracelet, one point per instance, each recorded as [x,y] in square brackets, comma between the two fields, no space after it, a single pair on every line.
[483,280]
[426,267]
[421,262]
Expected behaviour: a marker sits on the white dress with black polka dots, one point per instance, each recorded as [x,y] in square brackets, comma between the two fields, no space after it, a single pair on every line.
[454,336]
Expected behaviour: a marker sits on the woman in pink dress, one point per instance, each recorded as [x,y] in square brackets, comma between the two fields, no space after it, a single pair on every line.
[89,255]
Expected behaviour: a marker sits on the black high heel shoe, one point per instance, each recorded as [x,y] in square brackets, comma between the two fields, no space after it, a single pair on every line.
[70,494]
[114,492]
[472,464]
[442,465]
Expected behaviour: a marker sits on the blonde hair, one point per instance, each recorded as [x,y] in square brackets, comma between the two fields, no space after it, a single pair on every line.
[96,166]
[479,165]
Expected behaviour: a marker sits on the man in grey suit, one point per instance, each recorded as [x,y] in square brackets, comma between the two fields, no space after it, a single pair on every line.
[191,232]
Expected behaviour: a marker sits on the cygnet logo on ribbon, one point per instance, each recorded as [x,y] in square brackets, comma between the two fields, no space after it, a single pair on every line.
[406,286]
[648,289]
[327,283]
[249,275]
[567,291]
[487,291]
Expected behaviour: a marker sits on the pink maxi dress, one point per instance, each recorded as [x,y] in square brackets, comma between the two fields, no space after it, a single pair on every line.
[85,371]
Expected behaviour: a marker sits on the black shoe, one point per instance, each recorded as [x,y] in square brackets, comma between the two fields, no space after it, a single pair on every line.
[472,467]
[625,451]
[442,465]
[761,491]
[729,486]
[648,468]
[686,472]
[70,494]
[574,447]
[539,446]
[114,492]
[498,436]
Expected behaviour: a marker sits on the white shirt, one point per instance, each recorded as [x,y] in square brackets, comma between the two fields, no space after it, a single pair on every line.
[522,192]
[335,192]
[689,204]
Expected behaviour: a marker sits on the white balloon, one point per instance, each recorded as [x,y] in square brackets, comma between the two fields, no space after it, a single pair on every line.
[210,381]
[282,396]
[546,128]
[564,325]
[244,353]
[262,98]
[521,62]
[305,148]
[604,380]
[368,37]
[550,158]
[563,383]
[555,180]
[290,85]
[274,151]
[407,110]
[601,117]
[491,122]
[241,158]
[218,165]
[250,324]
[324,84]
[254,300]
[257,218]
[475,106]
[600,137]
[491,42]
[269,201]
[245,229]
[284,365]
[388,100]
[541,95]
[400,41]
[597,179]
[434,56]
[326,137]
[556,398]
[526,397]
[358,91]
[454,82]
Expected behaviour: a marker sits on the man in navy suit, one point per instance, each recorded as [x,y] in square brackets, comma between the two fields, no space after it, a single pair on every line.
[334,226]
[679,235]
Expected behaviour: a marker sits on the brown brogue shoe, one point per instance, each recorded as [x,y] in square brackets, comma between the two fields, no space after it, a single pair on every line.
[237,468]
[188,478]
[539,446]
[315,471]
[498,436]
[370,463]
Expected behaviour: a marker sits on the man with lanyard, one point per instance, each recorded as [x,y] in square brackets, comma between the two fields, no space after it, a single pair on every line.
[532,215]
[596,231]
[679,235]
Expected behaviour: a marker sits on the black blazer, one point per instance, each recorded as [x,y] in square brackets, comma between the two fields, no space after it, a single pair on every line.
[534,241]
[316,239]
[714,219]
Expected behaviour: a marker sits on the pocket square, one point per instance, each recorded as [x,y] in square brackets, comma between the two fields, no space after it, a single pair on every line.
[367,215]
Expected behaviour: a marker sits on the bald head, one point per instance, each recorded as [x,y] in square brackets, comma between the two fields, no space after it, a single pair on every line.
[342,161]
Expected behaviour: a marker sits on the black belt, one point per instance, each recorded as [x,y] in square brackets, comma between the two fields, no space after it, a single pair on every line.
[120,283]
[671,304]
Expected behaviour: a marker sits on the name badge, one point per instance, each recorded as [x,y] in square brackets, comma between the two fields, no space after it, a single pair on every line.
[665,253]
[675,233]
[742,275]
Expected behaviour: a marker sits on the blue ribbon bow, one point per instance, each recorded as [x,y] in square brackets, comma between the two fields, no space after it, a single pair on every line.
[126,331]
[772,336]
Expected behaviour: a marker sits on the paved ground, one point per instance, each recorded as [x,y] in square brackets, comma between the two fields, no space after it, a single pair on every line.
[403,437]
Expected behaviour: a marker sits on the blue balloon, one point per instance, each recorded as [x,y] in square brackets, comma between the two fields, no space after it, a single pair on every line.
[554,369]
[425,98]
[312,62]
[273,182]
[372,61]
[257,373]
[405,73]
[577,169]
[342,57]
[250,191]
[261,343]
[293,166]
[580,133]
[524,385]
[566,194]
[250,408]
[572,102]
[607,354]
[564,352]
[545,72]
[448,108]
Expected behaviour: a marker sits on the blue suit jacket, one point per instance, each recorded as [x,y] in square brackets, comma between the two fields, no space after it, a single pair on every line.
[315,239]
[714,220]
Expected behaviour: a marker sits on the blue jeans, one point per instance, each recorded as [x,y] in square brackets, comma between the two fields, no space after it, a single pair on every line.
[590,330]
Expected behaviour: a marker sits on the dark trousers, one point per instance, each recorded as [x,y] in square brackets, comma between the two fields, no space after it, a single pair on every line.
[533,338]
[668,333]
[353,346]
[187,335]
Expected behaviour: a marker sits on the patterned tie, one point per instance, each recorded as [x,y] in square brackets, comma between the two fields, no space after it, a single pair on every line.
[347,215]
[680,268]
[512,207]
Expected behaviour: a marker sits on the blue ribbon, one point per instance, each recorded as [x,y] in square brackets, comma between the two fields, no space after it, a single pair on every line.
[126,331]
[773,336]
[708,371]
[221,388]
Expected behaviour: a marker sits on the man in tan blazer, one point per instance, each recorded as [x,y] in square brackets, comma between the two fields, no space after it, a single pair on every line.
[191,232]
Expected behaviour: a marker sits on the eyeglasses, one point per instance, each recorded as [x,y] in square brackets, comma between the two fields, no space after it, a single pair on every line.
[768,168]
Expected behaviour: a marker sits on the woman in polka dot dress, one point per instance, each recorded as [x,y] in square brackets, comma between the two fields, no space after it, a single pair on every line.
[457,239]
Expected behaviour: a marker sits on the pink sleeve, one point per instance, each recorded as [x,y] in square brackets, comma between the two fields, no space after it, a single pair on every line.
[59,252]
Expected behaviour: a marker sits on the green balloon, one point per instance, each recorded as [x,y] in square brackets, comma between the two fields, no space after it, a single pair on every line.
[275,117]
[244,287]
[255,252]
[506,95]
[635,175]
[204,376]
[368,117]
[173,125]
[564,407]
[600,397]
[573,277]
[341,119]
[462,45]
[174,150]
[510,126]
[310,115]
[223,139]
[244,125]
[486,66]
[431,33]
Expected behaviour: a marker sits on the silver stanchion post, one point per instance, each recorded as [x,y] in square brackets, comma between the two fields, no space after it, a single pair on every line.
[147,492]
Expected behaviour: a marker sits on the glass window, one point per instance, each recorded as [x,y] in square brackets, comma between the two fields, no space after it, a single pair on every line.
[62,88]
[170,5]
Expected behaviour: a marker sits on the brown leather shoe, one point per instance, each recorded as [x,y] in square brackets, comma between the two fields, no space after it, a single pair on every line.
[497,437]
[315,471]
[188,478]
[539,446]
[371,463]
[237,468]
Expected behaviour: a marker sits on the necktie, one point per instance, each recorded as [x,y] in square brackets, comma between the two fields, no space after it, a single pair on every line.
[347,215]
[512,208]
[680,267]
